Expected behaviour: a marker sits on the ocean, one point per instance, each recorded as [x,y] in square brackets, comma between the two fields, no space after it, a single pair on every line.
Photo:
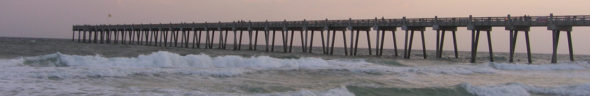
[60,67]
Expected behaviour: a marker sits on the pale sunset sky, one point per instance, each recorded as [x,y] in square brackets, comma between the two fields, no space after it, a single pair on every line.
[54,18]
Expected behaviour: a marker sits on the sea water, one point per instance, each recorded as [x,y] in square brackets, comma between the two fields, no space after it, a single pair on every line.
[165,73]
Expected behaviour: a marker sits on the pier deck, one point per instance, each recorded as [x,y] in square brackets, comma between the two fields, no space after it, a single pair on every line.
[190,34]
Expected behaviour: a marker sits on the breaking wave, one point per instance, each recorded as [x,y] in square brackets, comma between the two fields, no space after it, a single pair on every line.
[162,62]
[60,66]
[165,63]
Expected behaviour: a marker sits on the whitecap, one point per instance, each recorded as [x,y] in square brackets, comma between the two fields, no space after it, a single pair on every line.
[517,89]
[541,67]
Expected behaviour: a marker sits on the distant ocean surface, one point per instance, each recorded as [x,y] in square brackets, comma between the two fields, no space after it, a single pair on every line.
[54,67]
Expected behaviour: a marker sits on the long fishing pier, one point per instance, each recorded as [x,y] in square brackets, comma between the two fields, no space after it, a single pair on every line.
[189,35]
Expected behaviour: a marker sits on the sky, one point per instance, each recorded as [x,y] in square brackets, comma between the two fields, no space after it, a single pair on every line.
[54,18]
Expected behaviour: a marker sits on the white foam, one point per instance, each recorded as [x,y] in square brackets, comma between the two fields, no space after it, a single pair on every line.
[170,60]
[342,91]
[69,66]
[541,67]
[63,65]
[27,88]
[17,74]
[574,90]
[502,90]
[454,69]
[517,89]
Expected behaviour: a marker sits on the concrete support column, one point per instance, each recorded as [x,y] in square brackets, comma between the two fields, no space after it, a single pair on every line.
[235,39]
[95,36]
[356,42]
[476,31]
[438,42]
[255,40]
[250,40]
[513,45]
[79,36]
[411,39]
[369,42]
[102,36]
[266,39]
[302,39]
[423,44]
[474,44]
[394,43]
[165,37]
[528,46]
[84,36]
[343,40]
[220,43]
[556,32]
[569,41]
[291,43]
[323,42]
[199,38]
[489,45]
[240,41]
[196,38]
[211,42]
[272,46]
[328,41]
[377,44]
[455,43]
[555,44]
[73,34]
[311,42]
[351,43]
[333,41]
[406,54]
[225,39]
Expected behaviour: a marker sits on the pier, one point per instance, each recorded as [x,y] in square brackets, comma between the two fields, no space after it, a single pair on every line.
[189,35]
